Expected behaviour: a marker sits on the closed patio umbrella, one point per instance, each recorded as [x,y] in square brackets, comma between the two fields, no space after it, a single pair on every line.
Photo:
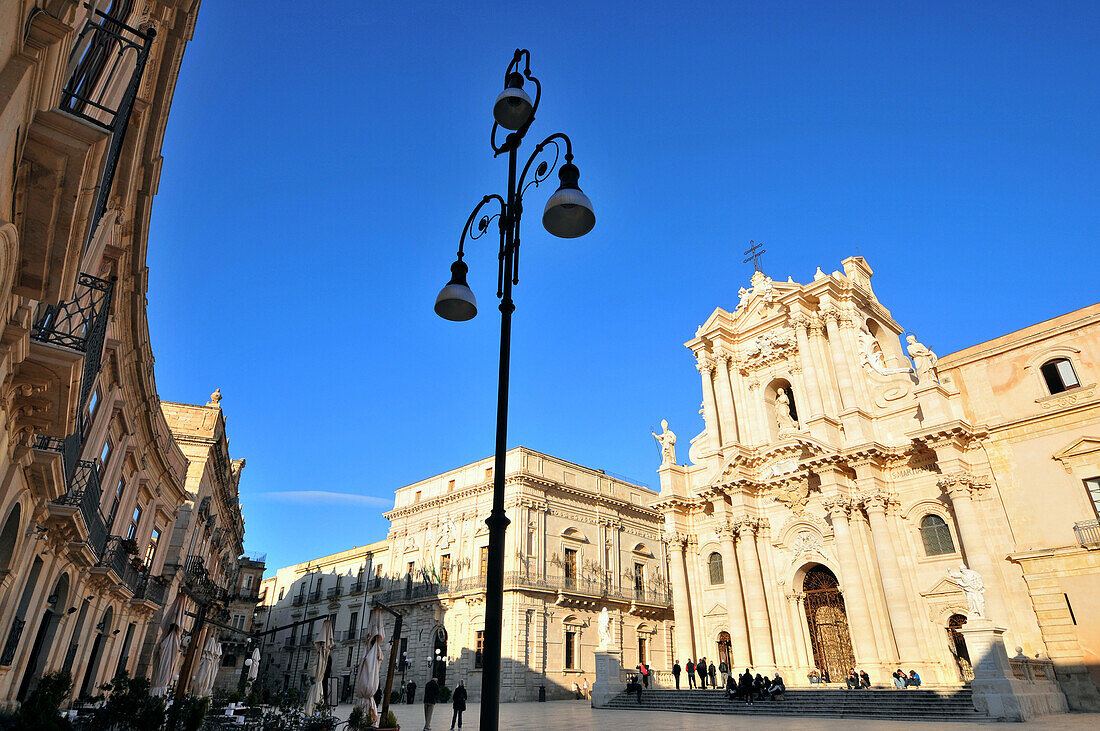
[254,668]
[203,679]
[323,647]
[168,649]
[370,669]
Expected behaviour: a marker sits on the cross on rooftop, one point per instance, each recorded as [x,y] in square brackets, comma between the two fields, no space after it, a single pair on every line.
[754,251]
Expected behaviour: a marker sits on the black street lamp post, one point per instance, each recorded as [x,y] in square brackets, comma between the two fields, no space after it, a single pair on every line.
[568,214]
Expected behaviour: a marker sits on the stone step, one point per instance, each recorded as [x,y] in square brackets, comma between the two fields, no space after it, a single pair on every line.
[938,705]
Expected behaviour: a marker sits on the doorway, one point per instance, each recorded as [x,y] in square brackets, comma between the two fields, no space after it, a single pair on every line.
[724,653]
[828,622]
[43,640]
[957,644]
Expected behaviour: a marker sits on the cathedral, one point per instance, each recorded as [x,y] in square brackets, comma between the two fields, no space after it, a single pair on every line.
[855,501]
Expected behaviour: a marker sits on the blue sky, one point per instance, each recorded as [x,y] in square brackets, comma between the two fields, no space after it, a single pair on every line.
[320,161]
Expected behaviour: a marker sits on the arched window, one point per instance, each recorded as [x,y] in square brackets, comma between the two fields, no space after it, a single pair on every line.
[1059,375]
[714,563]
[936,536]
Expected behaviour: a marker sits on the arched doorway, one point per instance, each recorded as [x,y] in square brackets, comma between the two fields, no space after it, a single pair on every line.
[439,655]
[8,538]
[957,644]
[724,644]
[56,604]
[87,687]
[828,622]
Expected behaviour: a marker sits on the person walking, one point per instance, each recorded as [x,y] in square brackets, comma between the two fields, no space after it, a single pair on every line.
[458,703]
[411,697]
[584,686]
[638,689]
[701,668]
[691,673]
[431,696]
[644,670]
[676,673]
[713,673]
[723,671]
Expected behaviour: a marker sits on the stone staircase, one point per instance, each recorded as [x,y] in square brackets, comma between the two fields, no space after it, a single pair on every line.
[926,704]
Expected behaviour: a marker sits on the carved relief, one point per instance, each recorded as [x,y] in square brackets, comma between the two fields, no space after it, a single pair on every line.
[768,348]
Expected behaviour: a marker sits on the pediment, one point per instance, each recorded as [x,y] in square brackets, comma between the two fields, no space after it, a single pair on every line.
[715,610]
[943,587]
[1082,450]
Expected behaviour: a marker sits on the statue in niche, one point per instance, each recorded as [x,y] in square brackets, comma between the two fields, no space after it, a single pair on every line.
[924,360]
[870,352]
[605,630]
[973,588]
[667,441]
[783,411]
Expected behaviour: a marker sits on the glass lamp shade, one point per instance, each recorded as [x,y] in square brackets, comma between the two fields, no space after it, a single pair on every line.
[513,107]
[456,301]
[568,213]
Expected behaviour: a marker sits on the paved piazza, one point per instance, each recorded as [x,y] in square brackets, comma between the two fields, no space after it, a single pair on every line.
[570,714]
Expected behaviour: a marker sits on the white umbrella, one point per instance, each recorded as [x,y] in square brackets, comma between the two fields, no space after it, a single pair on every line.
[323,646]
[370,669]
[168,649]
[254,668]
[203,678]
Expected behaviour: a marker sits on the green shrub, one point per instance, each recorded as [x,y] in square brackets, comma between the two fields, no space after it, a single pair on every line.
[129,706]
[390,721]
[42,709]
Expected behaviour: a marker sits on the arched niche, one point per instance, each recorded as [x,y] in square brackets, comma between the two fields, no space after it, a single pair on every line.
[773,410]
[889,342]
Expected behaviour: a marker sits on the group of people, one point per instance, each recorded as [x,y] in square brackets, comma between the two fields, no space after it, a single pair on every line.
[431,697]
[705,670]
[580,690]
[748,689]
[857,681]
[903,681]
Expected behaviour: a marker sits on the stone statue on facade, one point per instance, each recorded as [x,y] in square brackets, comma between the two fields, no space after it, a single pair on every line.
[973,588]
[604,627]
[924,360]
[215,398]
[743,294]
[870,352]
[667,440]
[783,411]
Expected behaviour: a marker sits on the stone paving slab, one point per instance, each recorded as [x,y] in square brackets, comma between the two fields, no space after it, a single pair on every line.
[579,715]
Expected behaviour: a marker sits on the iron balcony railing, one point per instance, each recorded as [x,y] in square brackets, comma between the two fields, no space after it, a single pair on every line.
[83,493]
[334,592]
[289,643]
[107,55]
[299,600]
[1088,533]
[151,589]
[356,588]
[413,591]
[119,560]
[315,596]
[79,324]
[12,644]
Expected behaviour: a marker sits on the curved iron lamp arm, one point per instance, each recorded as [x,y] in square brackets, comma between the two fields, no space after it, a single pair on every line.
[542,172]
[513,139]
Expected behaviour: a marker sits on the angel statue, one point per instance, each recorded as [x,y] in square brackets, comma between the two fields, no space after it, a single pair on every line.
[667,440]
[973,588]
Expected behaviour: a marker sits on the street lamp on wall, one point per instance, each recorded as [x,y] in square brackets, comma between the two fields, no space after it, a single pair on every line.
[568,214]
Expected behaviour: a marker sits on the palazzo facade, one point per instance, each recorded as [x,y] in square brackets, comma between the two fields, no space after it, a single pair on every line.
[580,540]
[838,487]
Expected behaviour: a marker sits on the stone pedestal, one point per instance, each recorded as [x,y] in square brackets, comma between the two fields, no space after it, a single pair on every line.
[998,691]
[607,685]
[936,404]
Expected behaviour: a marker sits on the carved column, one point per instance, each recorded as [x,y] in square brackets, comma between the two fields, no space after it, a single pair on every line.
[963,490]
[760,634]
[804,629]
[710,412]
[681,604]
[796,613]
[735,603]
[727,409]
[809,367]
[841,366]
[855,597]
[897,604]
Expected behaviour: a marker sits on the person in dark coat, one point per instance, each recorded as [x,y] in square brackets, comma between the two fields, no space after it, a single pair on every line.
[701,668]
[759,686]
[731,686]
[638,689]
[411,690]
[852,681]
[431,697]
[713,673]
[691,673]
[864,680]
[777,687]
[676,673]
[458,703]
[744,687]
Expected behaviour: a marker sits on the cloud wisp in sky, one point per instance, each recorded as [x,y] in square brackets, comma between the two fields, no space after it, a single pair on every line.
[324,497]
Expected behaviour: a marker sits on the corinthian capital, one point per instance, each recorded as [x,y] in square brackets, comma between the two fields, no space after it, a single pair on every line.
[722,357]
[704,364]
[963,486]
[875,502]
[838,507]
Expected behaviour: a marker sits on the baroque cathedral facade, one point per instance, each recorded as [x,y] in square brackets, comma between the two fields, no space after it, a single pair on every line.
[844,507]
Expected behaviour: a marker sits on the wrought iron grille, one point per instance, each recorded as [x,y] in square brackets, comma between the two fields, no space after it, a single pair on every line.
[150,589]
[828,622]
[117,559]
[107,55]
[12,644]
[1087,532]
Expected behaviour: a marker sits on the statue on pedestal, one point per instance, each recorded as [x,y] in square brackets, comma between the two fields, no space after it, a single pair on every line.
[924,361]
[605,631]
[973,587]
[667,440]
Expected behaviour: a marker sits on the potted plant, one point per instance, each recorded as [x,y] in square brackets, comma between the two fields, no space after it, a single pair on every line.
[389,722]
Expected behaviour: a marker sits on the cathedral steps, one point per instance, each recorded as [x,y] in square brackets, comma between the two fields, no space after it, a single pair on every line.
[938,705]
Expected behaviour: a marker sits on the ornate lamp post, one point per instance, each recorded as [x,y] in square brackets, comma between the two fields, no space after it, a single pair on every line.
[567,214]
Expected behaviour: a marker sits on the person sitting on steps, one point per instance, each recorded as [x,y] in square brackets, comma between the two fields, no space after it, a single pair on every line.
[852,681]
[864,680]
[777,687]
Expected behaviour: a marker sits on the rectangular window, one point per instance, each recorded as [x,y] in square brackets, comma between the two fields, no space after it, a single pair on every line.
[479,648]
[119,489]
[639,577]
[353,623]
[642,656]
[488,473]
[248,581]
[483,561]
[444,568]
[450,485]
[416,497]
[135,520]
[104,458]
[411,567]
[570,567]
[1093,486]
[570,650]
[151,549]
